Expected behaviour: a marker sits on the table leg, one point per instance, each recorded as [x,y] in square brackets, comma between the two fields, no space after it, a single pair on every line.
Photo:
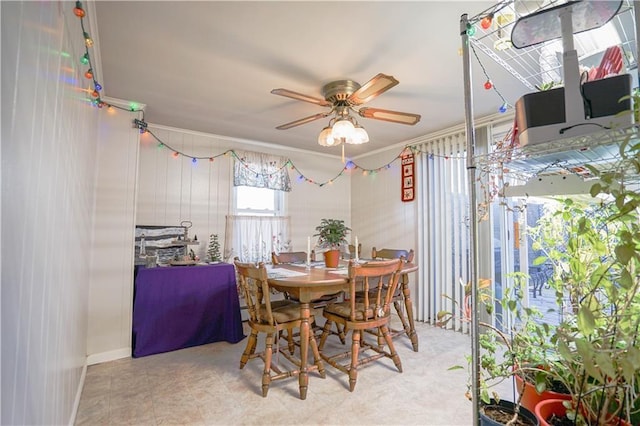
[413,336]
[305,313]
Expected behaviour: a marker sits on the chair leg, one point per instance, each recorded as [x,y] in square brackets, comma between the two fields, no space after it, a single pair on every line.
[290,343]
[250,349]
[266,374]
[399,311]
[392,350]
[325,332]
[408,304]
[341,333]
[355,349]
[316,355]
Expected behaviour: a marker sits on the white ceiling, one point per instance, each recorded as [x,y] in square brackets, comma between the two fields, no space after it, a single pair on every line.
[210,66]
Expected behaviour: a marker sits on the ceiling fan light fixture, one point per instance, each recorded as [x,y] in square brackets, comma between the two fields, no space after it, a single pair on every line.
[342,128]
[359,136]
[325,138]
[344,97]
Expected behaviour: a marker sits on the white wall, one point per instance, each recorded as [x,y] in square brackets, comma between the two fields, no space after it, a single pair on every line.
[48,173]
[111,289]
[380,218]
[174,189]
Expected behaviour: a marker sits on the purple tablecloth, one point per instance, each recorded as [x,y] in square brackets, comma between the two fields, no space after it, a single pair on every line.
[181,306]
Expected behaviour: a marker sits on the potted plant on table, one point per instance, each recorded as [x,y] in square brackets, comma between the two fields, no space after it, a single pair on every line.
[332,235]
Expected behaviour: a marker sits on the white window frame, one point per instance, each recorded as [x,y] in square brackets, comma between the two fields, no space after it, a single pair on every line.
[279,203]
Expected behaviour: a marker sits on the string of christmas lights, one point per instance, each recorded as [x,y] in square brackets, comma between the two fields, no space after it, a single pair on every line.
[488,85]
[349,166]
[85,59]
[90,73]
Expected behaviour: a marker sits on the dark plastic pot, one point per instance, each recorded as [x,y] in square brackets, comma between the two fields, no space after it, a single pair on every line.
[508,406]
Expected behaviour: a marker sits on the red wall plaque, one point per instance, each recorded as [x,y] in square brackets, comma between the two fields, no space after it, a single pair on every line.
[408,181]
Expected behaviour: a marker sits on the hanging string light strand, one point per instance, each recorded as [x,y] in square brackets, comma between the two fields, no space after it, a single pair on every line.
[90,73]
[488,85]
[349,166]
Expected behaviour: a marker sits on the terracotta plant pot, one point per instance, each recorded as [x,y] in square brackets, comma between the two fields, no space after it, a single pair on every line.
[506,406]
[531,397]
[332,258]
[547,407]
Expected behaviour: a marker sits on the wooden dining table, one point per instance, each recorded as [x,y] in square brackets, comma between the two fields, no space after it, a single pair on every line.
[310,284]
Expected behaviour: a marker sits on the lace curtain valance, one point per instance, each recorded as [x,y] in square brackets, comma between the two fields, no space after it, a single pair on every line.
[261,171]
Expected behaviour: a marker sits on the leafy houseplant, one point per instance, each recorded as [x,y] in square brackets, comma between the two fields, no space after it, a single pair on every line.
[521,350]
[213,249]
[596,277]
[332,235]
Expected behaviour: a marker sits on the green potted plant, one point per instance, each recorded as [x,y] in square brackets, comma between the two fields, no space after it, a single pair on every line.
[332,235]
[596,277]
[595,250]
[520,349]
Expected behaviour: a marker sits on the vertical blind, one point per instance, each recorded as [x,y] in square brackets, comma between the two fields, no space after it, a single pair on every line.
[443,231]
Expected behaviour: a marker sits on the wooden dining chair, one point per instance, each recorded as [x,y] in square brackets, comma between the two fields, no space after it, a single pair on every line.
[291,257]
[351,254]
[402,296]
[356,315]
[271,318]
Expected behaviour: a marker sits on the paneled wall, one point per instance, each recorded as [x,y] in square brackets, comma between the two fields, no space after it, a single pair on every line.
[111,284]
[171,190]
[48,174]
[380,218]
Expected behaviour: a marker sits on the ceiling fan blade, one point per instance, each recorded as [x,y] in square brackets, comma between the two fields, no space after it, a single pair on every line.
[304,120]
[300,97]
[373,88]
[387,115]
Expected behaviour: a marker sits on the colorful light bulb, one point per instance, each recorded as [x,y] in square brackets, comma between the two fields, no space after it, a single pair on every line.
[89,74]
[486,22]
[503,108]
[471,30]
[84,59]
[87,40]
[78,10]
[488,85]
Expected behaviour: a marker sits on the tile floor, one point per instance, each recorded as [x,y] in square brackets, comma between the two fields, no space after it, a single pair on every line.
[203,385]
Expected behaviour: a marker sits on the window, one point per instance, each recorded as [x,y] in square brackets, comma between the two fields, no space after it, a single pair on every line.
[258,201]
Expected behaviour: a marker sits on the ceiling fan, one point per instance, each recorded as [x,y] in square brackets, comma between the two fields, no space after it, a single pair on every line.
[343,96]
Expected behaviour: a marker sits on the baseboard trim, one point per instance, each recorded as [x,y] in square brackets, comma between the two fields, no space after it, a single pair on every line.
[108,356]
[76,402]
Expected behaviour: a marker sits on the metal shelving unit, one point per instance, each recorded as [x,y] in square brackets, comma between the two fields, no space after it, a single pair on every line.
[563,156]
[535,66]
